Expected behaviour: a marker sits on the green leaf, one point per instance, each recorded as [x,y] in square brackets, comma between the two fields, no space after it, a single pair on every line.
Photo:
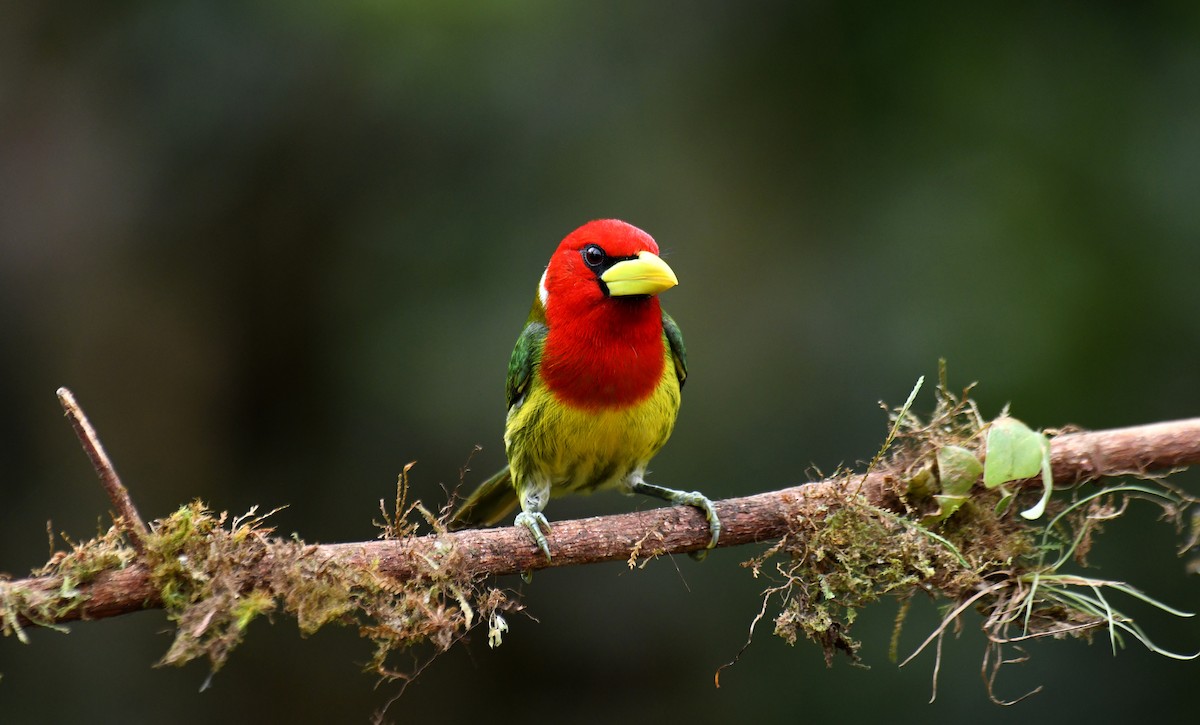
[958,469]
[1006,498]
[947,505]
[1035,512]
[1015,453]
[923,483]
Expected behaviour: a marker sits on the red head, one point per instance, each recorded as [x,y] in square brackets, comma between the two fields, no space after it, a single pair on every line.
[605,345]
[603,260]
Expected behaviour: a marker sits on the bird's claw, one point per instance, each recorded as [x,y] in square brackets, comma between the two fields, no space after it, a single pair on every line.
[534,522]
[702,502]
[686,498]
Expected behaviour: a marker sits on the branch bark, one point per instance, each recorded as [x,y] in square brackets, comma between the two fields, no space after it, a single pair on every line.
[129,520]
[1076,458]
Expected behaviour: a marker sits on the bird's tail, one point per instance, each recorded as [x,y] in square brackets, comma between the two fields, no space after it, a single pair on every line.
[489,504]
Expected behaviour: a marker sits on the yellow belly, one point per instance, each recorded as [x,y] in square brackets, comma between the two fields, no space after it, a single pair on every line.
[576,450]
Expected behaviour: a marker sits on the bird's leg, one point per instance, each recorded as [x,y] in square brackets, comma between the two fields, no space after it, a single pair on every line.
[684,498]
[534,497]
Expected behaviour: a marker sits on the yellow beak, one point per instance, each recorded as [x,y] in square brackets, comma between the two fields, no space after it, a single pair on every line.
[645,275]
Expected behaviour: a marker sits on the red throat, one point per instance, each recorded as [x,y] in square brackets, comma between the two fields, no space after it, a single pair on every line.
[609,357]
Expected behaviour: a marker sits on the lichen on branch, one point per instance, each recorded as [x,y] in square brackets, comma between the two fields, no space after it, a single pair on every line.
[940,524]
[925,517]
[214,575]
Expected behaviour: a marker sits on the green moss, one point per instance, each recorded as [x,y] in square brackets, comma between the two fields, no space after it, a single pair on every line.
[316,597]
[948,535]
[841,562]
[203,563]
[215,575]
[67,572]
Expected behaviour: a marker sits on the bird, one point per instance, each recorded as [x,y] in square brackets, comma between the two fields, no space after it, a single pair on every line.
[593,385]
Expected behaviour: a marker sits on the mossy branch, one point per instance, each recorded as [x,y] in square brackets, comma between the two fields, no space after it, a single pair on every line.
[932,515]
[1075,457]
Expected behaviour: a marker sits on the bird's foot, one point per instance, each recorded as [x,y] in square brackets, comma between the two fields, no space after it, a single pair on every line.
[687,498]
[700,501]
[534,522]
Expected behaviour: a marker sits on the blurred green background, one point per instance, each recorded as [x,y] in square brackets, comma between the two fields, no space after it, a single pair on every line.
[279,249]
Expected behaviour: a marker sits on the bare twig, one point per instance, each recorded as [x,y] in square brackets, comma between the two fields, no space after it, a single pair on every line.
[1076,457]
[1139,449]
[129,519]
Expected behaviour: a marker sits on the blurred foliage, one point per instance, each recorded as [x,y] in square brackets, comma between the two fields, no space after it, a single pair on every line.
[280,249]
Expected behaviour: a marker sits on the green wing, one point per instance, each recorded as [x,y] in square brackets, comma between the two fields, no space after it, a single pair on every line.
[678,351]
[525,356]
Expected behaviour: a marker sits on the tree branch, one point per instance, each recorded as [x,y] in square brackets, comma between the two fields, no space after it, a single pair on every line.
[1075,457]
[129,520]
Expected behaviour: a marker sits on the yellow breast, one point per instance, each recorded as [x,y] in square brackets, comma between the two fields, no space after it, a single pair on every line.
[580,450]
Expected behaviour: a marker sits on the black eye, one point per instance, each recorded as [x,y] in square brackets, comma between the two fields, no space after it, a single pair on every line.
[593,256]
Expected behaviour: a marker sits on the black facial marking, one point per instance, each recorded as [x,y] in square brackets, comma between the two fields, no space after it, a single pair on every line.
[599,261]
